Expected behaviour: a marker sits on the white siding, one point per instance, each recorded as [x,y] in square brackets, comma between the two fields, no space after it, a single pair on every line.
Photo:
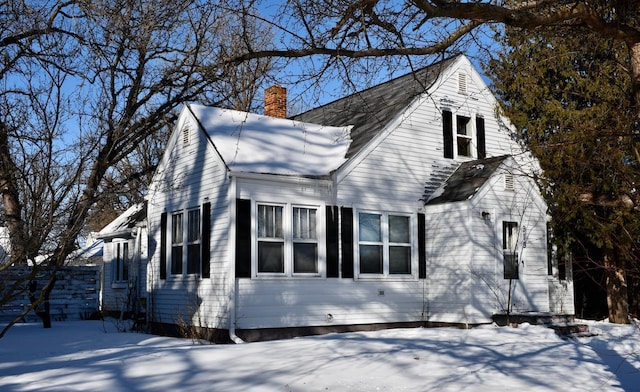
[190,176]
[392,173]
[264,303]
[449,249]
[464,256]
[524,206]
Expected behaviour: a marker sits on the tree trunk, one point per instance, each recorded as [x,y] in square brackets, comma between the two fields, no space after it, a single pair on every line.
[46,315]
[11,201]
[634,54]
[616,282]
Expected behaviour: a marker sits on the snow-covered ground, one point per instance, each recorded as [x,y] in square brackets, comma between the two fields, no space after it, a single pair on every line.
[93,356]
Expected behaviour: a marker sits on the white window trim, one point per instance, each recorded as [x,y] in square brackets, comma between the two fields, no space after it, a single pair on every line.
[413,224]
[471,136]
[287,228]
[185,243]
[115,281]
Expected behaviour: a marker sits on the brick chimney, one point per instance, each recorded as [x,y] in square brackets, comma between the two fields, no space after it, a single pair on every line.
[275,101]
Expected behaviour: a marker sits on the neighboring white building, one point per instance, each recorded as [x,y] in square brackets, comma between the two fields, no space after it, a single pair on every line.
[405,204]
[123,280]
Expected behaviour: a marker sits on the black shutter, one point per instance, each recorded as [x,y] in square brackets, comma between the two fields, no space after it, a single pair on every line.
[243,238]
[482,148]
[447,133]
[422,255]
[206,240]
[347,242]
[163,246]
[333,262]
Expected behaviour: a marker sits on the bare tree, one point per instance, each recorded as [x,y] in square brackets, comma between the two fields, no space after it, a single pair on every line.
[85,84]
[362,29]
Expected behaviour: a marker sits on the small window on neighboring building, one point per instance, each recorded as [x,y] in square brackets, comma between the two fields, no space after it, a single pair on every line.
[121,264]
[510,249]
[464,131]
[509,184]
[462,83]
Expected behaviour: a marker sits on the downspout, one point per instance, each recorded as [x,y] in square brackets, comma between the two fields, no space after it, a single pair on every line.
[231,295]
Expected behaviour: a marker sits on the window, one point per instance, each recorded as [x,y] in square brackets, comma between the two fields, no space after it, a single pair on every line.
[551,250]
[270,239]
[186,242]
[193,241]
[305,241]
[121,264]
[287,240]
[384,244]
[464,135]
[510,249]
[463,132]
[177,234]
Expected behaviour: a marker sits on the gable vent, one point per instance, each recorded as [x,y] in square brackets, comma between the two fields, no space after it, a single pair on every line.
[509,182]
[186,135]
[462,83]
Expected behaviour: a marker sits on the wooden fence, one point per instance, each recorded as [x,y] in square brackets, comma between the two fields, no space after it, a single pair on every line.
[75,295]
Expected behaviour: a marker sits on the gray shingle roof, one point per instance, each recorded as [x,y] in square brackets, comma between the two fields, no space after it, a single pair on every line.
[467,180]
[370,110]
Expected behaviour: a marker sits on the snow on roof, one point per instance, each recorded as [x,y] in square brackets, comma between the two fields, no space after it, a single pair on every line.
[255,143]
[125,222]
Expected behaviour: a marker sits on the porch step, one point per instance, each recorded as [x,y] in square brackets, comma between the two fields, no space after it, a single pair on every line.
[533,318]
[571,330]
[563,324]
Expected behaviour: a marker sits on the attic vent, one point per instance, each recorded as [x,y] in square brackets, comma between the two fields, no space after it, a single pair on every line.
[186,135]
[462,83]
[508,182]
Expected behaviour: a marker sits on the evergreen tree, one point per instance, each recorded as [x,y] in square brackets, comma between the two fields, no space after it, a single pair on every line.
[569,94]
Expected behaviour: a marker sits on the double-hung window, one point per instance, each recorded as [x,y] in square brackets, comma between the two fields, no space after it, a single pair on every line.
[177,239]
[121,264]
[464,131]
[270,239]
[287,240]
[305,241]
[510,249]
[185,242]
[460,143]
[193,241]
[384,244]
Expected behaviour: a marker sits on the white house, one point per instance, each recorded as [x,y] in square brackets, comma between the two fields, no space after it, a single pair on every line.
[404,204]
[123,279]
